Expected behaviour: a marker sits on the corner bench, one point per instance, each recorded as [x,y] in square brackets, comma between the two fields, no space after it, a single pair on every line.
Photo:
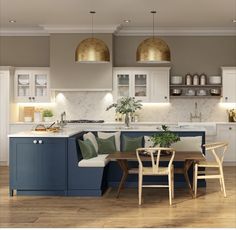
[92,177]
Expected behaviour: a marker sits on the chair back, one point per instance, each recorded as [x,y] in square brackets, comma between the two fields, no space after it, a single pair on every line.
[218,150]
[151,152]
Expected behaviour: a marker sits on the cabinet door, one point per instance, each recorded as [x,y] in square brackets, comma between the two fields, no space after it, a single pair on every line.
[140,86]
[52,165]
[41,86]
[122,84]
[23,86]
[229,85]
[38,166]
[159,86]
[24,161]
[228,133]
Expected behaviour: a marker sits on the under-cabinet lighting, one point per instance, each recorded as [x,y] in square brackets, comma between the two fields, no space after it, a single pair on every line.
[108,98]
[12,21]
[49,104]
[227,105]
[156,103]
[234,20]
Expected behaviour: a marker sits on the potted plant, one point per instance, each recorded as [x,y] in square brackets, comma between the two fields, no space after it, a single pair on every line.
[47,115]
[165,138]
[126,106]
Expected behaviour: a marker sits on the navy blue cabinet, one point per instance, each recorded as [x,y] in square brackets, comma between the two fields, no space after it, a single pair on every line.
[38,166]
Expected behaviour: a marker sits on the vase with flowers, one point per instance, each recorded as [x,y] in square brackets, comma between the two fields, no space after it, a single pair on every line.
[126,106]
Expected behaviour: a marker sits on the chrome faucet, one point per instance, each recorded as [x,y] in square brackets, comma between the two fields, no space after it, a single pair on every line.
[63,121]
[196,114]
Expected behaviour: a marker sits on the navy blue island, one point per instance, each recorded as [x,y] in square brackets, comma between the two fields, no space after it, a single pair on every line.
[48,163]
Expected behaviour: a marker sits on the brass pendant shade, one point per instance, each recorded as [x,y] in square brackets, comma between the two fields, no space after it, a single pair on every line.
[92,50]
[153,50]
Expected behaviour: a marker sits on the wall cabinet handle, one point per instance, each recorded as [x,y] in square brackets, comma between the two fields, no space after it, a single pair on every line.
[40,142]
[30,98]
[165,97]
[230,128]
[33,98]
[226,98]
[35,141]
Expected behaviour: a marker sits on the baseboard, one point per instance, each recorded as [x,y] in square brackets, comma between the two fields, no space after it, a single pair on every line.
[229,163]
[3,163]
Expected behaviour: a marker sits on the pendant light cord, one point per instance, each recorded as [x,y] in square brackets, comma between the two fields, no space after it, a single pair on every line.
[92,13]
[153,27]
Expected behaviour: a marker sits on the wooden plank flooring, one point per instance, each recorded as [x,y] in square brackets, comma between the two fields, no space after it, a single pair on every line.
[210,209]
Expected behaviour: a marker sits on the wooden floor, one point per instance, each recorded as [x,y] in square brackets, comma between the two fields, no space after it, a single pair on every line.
[211,209]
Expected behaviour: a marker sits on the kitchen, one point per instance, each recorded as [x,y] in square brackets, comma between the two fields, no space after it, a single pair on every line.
[41,75]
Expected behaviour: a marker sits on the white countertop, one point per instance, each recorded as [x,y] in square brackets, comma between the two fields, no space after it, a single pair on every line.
[67,131]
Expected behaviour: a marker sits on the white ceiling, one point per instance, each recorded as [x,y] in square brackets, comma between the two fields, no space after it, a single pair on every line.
[72,15]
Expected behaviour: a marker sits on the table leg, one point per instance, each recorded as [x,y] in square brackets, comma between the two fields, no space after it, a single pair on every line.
[187,165]
[124,166]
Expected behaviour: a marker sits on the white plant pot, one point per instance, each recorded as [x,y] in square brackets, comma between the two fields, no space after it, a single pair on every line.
[47,119]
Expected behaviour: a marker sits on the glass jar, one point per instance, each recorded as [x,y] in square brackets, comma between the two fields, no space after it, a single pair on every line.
[195,79]
[188,79]
[203,79]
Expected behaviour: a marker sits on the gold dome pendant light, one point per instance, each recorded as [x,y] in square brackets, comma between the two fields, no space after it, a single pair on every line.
[92,50]
[153,50]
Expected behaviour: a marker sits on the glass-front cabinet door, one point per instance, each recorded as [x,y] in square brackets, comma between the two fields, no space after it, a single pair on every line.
[140,85]
[41,89]
[23,89]
[123,85]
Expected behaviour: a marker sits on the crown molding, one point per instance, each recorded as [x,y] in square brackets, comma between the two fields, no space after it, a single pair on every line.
[118,30]
[177,31]
[81,29]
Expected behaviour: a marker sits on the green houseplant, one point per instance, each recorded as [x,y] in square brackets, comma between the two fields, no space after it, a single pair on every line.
[126,106]
[165,138]
[47,115]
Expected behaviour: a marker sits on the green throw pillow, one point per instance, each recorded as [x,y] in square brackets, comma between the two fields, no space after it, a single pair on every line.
[130,144]
[87,149]
[106,146]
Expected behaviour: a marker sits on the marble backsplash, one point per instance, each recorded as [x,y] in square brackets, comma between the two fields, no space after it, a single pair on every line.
[92,105]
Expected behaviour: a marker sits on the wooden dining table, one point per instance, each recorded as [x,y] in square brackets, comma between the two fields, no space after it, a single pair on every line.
[123,158]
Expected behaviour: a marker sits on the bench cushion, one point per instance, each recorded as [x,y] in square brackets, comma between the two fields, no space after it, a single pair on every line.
[99,161]
[188,144]
[105,135]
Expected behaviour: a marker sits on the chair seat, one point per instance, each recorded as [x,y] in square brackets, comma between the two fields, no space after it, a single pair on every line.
[161,171]
[207,164]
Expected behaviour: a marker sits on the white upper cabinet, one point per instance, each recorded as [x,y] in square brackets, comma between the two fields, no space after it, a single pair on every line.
[146,84]
[159,85]
[229,84]
[32,85]
[132,82]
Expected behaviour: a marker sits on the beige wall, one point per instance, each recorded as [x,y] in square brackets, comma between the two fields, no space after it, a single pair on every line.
[66,73]
[25,51]
[188,54]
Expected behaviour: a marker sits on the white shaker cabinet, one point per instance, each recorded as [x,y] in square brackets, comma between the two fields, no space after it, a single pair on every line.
[159,85]
[227,132]
[32,85]
[229,84]
[149,84]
